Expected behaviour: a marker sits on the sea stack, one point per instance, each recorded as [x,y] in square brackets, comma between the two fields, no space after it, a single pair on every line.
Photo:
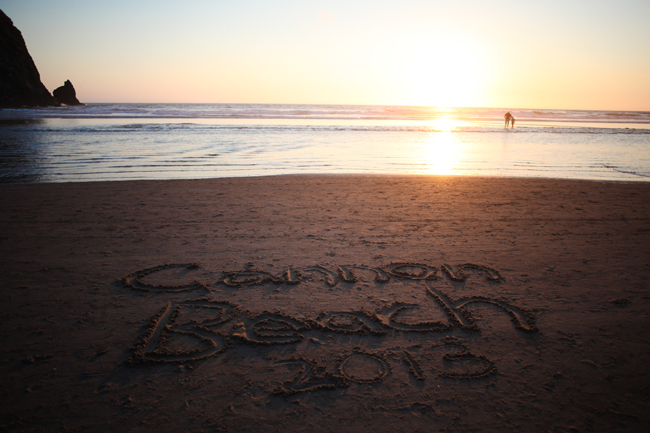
[66,94]
[20,82]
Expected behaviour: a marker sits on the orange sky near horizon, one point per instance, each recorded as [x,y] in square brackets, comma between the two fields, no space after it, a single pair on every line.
[571,55]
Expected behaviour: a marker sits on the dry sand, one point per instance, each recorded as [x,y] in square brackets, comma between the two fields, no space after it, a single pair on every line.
[326,303]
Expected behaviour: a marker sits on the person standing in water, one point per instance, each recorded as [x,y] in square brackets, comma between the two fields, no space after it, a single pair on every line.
[512,121]
[508,116]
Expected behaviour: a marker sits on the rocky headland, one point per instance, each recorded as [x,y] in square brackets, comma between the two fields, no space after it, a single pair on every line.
[20,82]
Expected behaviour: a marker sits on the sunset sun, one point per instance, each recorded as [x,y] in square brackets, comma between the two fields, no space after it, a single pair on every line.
[446,74]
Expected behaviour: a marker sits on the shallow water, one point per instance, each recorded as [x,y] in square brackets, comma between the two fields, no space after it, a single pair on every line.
[180,141]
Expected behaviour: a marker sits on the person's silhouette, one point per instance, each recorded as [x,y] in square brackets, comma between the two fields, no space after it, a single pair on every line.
[508,118]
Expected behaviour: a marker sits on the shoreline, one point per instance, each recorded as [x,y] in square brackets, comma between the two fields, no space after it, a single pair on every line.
[379,175]
[194,147]
[326,302]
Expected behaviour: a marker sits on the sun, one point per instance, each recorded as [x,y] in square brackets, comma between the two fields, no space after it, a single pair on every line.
[446,73]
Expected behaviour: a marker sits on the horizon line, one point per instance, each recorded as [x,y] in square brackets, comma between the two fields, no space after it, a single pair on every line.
[341,104]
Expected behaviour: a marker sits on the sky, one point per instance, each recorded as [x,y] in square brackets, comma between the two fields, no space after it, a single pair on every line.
[569,54]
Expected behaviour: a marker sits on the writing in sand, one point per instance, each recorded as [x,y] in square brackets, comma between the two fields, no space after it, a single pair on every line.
[201,324]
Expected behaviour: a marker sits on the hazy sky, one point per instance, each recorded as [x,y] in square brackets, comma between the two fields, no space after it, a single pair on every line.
[517,54]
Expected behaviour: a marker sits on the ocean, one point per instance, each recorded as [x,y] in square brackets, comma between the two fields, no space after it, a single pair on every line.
[102,142]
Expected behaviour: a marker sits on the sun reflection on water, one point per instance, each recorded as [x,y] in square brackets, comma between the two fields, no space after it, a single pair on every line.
[444,124]
[440,151]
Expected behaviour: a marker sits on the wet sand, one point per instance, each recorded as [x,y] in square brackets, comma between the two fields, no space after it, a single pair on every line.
[321,303]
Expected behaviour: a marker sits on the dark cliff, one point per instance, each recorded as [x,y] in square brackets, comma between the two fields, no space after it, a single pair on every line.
[20,82]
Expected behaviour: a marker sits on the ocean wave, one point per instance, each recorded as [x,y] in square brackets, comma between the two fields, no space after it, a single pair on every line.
[319,112]
[627,171]
[145,127]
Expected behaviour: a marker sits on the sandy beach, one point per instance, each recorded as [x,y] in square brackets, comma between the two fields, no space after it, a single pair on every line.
[326,303]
